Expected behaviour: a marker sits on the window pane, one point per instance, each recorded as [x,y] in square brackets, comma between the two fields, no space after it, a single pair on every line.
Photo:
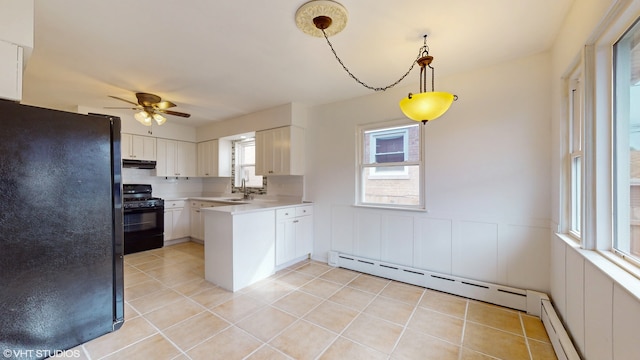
[627,143]
[385,158]
[244,165]
[576,116]
[249,174]
[576,194]
[249,153]
[391,190]
[395,144]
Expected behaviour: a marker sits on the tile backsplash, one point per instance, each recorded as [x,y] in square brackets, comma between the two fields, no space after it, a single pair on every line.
[191,187]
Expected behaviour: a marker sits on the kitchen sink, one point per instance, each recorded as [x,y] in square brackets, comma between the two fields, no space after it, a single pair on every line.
[234,199]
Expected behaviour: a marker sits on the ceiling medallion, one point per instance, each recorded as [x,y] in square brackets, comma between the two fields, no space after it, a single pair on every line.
[317,15]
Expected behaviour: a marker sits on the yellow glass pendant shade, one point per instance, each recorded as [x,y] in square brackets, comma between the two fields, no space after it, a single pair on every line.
[426,106]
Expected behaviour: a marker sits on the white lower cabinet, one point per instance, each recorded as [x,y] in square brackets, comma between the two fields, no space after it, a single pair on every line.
[294,233]
[176,220]
[197,219]
[239,247]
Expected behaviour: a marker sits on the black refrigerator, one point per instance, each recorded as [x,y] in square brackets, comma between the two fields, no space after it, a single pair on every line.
[61,234]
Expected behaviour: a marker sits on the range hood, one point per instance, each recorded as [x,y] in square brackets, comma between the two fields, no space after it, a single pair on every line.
[138,164]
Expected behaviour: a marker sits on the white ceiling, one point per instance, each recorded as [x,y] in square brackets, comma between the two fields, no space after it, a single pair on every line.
[220,59]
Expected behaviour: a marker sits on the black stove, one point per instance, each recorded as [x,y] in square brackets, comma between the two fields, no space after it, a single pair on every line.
[143,218]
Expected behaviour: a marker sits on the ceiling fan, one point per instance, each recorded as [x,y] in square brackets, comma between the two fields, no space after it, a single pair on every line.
[150,107]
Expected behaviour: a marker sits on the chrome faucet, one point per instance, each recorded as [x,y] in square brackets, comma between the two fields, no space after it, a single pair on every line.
[245,195]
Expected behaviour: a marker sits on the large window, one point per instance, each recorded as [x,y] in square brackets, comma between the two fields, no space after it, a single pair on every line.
[390,165]
[627,143]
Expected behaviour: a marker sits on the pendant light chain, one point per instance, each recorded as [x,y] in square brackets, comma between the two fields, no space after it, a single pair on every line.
[360,81]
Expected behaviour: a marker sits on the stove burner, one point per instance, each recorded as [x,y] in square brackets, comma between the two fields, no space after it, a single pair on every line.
[137,196]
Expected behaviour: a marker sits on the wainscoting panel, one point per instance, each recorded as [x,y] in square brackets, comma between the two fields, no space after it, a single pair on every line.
[504,251]
[575,298]
[524,250]
[626,317]
[342,231]
[598,303]
[397,239]
[368,234]
[433,244]
[475,251]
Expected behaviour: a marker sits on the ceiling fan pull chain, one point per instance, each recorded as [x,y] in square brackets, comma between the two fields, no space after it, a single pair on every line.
[360,81]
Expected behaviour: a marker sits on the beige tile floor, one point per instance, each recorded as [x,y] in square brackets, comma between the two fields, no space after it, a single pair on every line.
[308,311]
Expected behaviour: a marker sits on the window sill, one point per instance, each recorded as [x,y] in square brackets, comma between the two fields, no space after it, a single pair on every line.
[388,207]
[621,272]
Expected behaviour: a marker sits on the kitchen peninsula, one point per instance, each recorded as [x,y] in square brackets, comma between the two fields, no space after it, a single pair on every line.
[248,242]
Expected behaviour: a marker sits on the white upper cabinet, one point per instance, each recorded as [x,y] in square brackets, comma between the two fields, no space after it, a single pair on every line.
[214,158]
[176,158]
[138,147]
[10,71]
[280,151]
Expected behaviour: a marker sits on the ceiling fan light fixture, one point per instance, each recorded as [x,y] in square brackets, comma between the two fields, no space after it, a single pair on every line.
[149,107]
[159,118]
[143,117]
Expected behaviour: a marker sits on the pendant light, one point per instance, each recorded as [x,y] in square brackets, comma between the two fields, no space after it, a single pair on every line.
[324,18]
[426,105]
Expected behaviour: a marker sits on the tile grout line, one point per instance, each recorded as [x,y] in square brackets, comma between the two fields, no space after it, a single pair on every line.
[298,318]
[404,328]
[526,338]
[464,328]
[360,312]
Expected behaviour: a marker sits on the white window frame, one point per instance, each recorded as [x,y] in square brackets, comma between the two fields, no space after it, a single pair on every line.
[621,194]
[574,143]
[361,166]
[598,153]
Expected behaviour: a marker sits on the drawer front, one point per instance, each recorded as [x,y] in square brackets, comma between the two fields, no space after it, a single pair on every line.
[173,204]
[286,213]
[203,204]
[304,210]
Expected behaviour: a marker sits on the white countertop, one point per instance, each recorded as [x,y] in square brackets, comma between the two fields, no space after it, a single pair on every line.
[241,206]
[251,206]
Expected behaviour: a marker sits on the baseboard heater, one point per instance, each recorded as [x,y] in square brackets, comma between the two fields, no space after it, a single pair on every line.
[532,302]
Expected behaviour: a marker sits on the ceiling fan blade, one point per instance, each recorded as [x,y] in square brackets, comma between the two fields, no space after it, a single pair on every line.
[164,105]
[116,107]
[125,100]
[174,113]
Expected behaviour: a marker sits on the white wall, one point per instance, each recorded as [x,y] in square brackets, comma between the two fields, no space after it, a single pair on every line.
[283,115]
[487,171]
[598,302]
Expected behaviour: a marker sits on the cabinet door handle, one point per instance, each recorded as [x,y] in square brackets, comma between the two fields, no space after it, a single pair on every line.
[197,210]
[295,221]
